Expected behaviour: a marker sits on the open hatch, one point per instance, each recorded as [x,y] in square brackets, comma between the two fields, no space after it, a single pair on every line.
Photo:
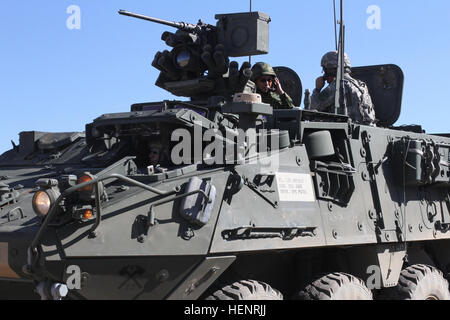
[385,83]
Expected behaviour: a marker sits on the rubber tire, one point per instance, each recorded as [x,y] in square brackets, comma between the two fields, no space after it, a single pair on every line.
[420,282]
[336,286]
[246,290]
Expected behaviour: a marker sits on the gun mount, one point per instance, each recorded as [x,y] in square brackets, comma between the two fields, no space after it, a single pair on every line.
[198,66]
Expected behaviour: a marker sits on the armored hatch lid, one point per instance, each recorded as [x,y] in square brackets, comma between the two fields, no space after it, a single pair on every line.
[385,83]
[182,114]
[52,141]
[291,83]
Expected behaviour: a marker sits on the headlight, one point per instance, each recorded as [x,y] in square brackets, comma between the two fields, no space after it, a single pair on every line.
[46,196]
[83,179]
[88,215]
[87,193]
[42,202]
[183,58]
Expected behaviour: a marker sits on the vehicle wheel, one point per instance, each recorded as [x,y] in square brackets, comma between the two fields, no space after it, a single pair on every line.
[420,282]
[336,286]
[246,290]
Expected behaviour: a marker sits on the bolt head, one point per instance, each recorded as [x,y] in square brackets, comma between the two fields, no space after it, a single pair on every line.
[163,275]
[330,206]
[365,176]
[363,153]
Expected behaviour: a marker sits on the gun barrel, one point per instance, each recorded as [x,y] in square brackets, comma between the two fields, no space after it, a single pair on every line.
[178,25]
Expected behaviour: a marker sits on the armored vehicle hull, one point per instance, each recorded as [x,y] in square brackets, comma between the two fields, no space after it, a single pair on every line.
[380,201]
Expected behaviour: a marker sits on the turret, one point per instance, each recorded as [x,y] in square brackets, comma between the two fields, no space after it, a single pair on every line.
[198,65]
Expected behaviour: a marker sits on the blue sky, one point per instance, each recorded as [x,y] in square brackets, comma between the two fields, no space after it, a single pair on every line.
[55,79]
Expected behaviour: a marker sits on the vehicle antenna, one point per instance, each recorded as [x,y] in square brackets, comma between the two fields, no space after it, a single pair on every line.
[250,57]
[340,87]
[335,25]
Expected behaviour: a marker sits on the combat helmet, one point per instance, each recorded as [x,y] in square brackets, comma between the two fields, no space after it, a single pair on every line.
[330,60]
[262,69]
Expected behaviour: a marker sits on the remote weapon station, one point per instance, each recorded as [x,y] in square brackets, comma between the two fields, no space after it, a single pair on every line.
[222,197]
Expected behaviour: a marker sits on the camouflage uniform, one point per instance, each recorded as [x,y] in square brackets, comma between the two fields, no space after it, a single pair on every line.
[273,98]
[277,101]
[357,97]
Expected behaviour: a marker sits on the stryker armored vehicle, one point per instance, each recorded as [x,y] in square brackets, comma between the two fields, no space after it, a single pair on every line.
[243,201]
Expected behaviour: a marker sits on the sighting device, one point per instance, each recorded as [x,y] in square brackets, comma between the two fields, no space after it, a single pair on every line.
[198,65]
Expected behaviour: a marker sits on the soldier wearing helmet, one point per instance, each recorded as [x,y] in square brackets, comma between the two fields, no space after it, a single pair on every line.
[357,97]
[269,87]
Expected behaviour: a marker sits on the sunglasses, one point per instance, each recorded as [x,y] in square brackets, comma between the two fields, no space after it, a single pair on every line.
[263,80]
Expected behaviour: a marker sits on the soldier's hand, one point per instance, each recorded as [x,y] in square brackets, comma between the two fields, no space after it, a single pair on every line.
[320,83]
[278,86]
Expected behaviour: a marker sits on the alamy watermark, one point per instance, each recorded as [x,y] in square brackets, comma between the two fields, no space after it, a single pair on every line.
[73,22]
[213,148]
[374,281]
[374,20]
[73,281]
[74,278]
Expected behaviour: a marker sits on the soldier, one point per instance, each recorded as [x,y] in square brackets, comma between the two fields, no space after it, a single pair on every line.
[156,154]
[357,97]
[269,87]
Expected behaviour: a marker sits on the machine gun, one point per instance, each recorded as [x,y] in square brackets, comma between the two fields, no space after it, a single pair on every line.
[179,25]
[198,66]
